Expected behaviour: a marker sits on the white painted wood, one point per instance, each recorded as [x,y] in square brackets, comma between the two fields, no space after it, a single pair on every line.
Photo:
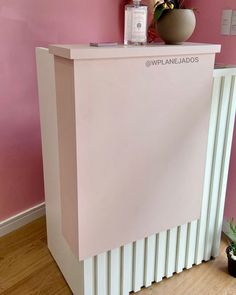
[191,244]
[160,263]
[114,271]
[219,144]
[21,219]
[101,266]
[171,252]
[80,52]
[226,228]
[71,268]
[138,270]
[226,70]
[181,247]
[89,276]
[92,277]
[225,167]
[127,269]
[202,222]
[150,260]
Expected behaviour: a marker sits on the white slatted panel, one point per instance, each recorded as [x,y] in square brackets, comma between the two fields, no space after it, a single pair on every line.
[150,260]
[102,274]
[114,272]
[202,223]
[138,264]
[218,154]
[171,251]
[89,276]
[160,256]
[181,248]
[225,166]
[127,269]
[191,244]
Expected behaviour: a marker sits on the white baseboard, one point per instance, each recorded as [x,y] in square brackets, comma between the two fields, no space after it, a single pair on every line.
[21,219]
[225,228]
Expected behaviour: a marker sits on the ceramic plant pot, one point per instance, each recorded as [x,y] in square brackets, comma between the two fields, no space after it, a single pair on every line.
[176,26]
[231,263]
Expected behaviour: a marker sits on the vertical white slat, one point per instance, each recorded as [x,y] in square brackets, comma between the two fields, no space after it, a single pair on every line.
[102,274]
[181,247]
[89,276]
[220,134]
[160,256]
[114,271]
[201,230]
[150,260]
[191,244]
[171,252]
[225,168]
[127,269]
[138,265]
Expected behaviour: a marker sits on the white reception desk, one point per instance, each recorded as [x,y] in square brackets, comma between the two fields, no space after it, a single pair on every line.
[135,150]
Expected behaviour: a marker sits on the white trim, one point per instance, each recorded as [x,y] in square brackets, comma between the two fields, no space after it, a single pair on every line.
[225,228]
[22,218]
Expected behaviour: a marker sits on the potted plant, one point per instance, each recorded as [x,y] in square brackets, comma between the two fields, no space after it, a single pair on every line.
[231,249]
[174,23]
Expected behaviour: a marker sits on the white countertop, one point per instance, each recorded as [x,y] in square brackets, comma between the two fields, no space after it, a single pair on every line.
[124,51]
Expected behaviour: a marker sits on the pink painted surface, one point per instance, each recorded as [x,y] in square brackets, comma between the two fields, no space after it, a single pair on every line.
[136,158]
[25,24]
[208,30]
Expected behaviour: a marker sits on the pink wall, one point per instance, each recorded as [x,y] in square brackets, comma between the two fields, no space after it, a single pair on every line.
[208,27]
[208,30]
[230,205]
[25,24]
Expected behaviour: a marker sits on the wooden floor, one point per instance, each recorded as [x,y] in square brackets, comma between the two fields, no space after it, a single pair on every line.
[26,267]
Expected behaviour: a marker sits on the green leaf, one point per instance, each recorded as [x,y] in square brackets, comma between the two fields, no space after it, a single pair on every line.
[158,13]
[232,232]
[232,226]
